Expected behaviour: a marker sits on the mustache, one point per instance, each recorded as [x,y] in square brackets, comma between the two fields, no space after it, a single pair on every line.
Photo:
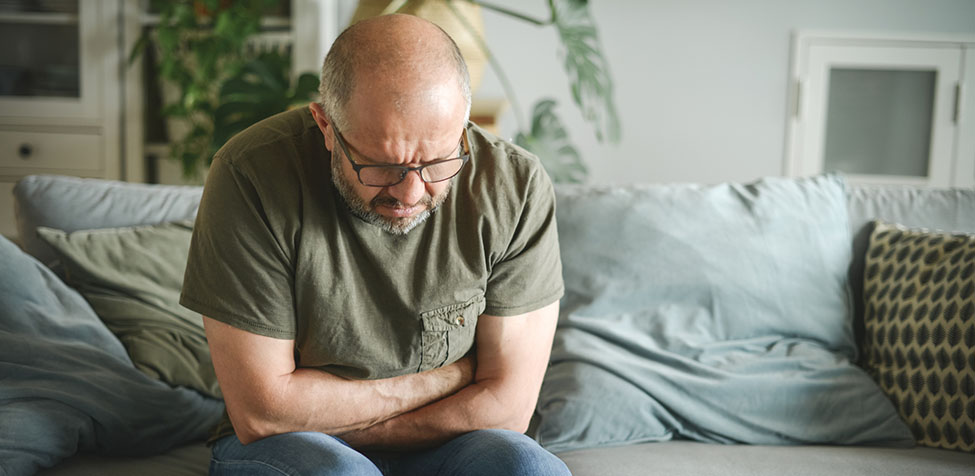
[389,201]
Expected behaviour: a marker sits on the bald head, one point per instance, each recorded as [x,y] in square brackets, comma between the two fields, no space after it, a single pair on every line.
[401,60]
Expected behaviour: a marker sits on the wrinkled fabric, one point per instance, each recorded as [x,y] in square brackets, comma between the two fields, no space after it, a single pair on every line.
[131,277]
[66,383]
[714,313]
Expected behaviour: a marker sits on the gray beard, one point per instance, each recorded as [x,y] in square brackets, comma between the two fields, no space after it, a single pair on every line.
[366,211]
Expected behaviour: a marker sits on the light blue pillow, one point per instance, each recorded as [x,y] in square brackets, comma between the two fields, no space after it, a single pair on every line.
[67,385]
[715,313]
[73,203]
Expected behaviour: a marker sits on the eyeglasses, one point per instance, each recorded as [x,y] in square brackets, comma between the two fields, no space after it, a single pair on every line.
[389,175]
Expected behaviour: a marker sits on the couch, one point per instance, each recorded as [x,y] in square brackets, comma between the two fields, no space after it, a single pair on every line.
[706,329]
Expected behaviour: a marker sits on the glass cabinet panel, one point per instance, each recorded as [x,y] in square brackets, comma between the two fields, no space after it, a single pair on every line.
[879,110]
[42,52]
[879,122]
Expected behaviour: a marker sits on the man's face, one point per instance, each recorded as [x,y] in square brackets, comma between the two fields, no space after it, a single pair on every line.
[423,128]
[383,209]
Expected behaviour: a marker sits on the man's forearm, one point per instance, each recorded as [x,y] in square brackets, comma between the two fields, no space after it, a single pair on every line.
[312,400]
[477,406]
[512,355]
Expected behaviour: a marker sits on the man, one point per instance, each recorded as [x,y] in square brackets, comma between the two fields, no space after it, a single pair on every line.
[379,278]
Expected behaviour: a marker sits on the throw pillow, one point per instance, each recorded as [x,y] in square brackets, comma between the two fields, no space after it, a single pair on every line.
[132,277]
[919,293]
[67,385]
[714,313]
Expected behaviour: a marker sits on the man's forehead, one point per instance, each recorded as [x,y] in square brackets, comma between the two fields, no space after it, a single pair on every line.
[433,107]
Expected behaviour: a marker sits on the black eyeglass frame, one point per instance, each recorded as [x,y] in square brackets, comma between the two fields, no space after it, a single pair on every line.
[404,170]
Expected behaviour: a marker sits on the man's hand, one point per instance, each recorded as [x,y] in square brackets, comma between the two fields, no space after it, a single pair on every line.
[266,394]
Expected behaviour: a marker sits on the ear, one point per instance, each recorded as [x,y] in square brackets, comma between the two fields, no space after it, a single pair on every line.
[322,120]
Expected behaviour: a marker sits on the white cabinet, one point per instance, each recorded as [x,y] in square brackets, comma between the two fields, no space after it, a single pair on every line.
[895,110]
[59,93]
[59,90]
[70,103]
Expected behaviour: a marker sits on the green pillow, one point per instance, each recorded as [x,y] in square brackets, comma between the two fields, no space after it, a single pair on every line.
[919,293]
[132,279]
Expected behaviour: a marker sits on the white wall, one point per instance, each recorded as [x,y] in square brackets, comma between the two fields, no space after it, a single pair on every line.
[701,85]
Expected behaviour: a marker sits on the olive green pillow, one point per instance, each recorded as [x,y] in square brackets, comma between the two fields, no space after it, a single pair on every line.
[919,289]
[132,278]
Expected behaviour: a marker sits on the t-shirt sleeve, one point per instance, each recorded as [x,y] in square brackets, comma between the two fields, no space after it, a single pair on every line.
[239,269]
[528,275]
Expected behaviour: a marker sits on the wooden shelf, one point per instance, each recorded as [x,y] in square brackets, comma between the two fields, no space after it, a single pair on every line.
[40,18]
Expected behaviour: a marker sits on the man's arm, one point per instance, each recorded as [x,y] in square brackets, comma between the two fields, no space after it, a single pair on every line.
[512,356]
[266,394]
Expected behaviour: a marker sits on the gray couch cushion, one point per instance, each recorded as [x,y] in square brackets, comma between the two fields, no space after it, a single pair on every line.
[190,460]
[677,458]
[674,458]
[71,204]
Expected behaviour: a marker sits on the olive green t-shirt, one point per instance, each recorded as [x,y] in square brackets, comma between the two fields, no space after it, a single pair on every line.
[276,252]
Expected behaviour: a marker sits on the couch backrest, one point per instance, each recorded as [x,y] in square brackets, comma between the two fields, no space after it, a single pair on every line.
[934,209]
[71,203]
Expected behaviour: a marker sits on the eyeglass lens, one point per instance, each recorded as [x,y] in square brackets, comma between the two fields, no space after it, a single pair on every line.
[385,176]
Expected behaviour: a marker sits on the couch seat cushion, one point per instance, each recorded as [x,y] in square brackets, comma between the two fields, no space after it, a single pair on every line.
[676,458]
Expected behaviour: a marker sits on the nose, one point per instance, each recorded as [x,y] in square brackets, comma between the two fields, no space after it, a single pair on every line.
[410,190]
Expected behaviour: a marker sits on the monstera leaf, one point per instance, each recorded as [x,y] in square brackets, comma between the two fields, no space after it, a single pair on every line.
[550,142]
[262,88]
[592,87]
[589,81]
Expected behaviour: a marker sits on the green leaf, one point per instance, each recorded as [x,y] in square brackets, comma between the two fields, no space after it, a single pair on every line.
[174,110]
[261,88]
[139,48]
[549,140]
[168,39]
[307,88]
[589,79]
[240,85]
[271,70]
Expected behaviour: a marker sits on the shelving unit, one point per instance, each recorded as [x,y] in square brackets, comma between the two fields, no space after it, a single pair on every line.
[70,102]
[59,95]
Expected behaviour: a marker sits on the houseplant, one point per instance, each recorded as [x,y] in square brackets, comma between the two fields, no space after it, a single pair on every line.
[201,45]
[261,88]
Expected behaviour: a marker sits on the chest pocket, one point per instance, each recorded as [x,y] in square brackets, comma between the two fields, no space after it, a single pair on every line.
[448,333]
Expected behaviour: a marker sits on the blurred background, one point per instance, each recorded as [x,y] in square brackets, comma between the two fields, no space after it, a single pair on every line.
[701,90]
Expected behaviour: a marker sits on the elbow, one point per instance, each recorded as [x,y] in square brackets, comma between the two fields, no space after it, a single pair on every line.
[253,419]
[258,413]
[520,421]
[513,413]
[515,422]
[249,428]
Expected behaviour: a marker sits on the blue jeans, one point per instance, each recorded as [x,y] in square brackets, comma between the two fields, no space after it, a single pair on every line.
[482,452]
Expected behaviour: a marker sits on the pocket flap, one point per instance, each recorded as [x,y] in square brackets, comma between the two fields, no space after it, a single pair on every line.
[453,316]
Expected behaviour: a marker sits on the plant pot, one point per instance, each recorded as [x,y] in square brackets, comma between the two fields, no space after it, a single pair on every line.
[437,12]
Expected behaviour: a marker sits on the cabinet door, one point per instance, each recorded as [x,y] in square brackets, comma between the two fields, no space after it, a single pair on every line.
[965,150]
[53,64]
[880,113]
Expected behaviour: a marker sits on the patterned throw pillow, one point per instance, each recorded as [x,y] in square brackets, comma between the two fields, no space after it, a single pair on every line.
[920,330]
